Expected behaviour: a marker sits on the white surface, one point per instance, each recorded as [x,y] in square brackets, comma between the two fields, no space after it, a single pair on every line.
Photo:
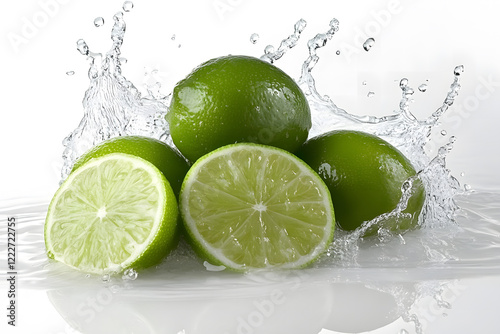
[420,40]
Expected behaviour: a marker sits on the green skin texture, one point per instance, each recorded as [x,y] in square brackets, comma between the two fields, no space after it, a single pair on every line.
[173,166]
[237,99]
[364,175]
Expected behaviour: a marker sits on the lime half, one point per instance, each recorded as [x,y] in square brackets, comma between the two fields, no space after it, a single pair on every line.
[249,206]
[114,212]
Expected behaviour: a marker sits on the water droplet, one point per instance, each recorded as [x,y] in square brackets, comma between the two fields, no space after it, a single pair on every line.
[106,278]
[254,38]
[370,94]
[300,25]
[127,6]
[368,44]
[269,49]
[462,174]
[453,139]
[403,83]
[459,70]
[334,24]
[179,46]
[422,87]
[467,187]
[129,274]
[82,47]
[211,267]
[98,21]
[87,276]
[364,83]
[70,73]
[173,37]
[443,132]
[338,52]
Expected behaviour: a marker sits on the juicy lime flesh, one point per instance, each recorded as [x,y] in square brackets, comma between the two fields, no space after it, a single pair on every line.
[250,206]
[109,213]
[237,99]
[164,157]
[364,175]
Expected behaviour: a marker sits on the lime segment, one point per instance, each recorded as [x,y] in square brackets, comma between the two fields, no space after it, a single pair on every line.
[112,213]
[249,206]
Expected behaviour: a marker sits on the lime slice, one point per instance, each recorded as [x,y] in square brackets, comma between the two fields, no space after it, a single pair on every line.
[249,206]
[115,212]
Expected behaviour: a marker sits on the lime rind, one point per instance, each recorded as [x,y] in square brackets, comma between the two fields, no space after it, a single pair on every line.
[219,204]
[115,212]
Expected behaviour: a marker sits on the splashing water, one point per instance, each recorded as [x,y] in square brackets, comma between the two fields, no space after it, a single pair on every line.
[112,105]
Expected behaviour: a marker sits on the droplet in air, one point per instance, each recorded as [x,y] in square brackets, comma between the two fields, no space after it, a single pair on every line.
[364,83]
[173,37]
[70,73]
[368,44]
[337,52]
[370,94]
[269,49]
[443,132]
[254,38]
[106,278]
[127,6]
[98,21]
[462,174]
[467,187]
[459,70]
[82,47]
[422,87]
[403,83]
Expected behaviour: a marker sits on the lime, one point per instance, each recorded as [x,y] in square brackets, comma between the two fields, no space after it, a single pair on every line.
[364,174]
[249,206]
[114,212]
[237,99]
[164,157]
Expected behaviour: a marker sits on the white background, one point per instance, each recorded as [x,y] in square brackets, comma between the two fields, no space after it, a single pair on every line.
[421,40]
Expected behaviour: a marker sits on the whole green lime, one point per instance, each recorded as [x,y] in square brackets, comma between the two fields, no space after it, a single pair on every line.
[364,174]
[237,99]
[164,157]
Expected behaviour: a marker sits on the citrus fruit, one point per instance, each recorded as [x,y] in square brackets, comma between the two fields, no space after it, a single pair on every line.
[237,99]
[364,174]
[165,158]
[251,206]
[114,212]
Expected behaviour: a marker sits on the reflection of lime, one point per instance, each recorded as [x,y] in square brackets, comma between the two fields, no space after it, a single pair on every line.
[237,99]
[364,174]
[112,213]
[166,159]
[248,206]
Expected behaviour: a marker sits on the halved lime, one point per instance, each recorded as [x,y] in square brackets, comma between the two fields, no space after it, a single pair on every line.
[114,212]
[249,206]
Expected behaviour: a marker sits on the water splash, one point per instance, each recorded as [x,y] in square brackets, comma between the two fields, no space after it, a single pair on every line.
[271,55]
[113,106]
